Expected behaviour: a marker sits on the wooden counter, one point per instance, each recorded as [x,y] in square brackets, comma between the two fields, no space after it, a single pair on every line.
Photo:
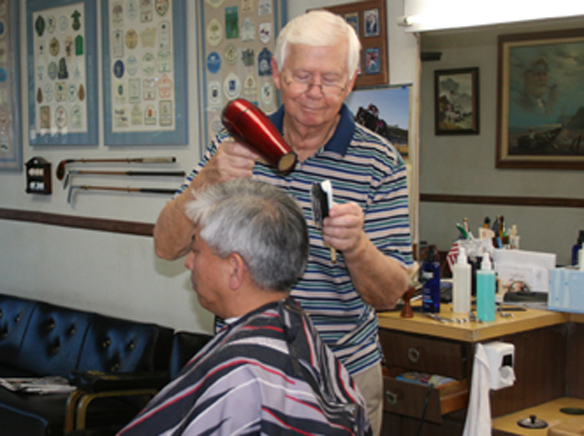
[521,321]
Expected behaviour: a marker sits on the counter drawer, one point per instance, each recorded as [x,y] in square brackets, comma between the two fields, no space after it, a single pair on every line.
[408,399]
[425,354]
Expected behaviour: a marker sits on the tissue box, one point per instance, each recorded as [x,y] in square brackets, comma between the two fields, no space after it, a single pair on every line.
[566,290]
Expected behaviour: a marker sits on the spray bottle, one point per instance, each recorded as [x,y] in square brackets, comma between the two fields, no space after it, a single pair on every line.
[486,290]
[461,283]
[577,247]
[430,276]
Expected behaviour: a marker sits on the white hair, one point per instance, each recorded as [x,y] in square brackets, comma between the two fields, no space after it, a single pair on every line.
[318,28]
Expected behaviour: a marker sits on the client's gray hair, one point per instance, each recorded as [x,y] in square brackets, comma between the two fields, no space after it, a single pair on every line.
[261,223]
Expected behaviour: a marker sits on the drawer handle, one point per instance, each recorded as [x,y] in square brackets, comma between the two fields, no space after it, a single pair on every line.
[391,398]
[413,355]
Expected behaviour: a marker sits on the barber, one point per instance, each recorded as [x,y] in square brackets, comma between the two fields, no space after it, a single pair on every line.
[315,66]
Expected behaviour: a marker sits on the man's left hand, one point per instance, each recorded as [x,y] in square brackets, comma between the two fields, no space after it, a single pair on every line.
[343,228]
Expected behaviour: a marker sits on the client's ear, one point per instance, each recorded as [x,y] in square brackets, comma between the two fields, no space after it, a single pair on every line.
[237,271]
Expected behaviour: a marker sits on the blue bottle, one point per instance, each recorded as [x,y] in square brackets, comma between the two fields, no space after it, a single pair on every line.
[486,287]
[430,277]
[577,247]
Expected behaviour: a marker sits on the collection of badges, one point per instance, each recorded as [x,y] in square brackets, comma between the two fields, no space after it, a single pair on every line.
[239,42]
[142,73]
[7,152]
[59,65]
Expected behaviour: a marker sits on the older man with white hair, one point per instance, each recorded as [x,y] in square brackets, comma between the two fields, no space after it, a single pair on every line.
[315,66]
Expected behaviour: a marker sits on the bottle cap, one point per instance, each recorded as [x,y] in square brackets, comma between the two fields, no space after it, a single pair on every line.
[461,256]
[486,262]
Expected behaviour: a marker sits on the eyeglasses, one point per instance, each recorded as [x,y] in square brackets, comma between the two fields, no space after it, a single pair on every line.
[300,86]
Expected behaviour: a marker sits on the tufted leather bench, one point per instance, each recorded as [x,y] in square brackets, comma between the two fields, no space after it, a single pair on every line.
[40,339]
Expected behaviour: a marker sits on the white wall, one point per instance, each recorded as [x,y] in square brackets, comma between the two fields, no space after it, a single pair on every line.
[109,272]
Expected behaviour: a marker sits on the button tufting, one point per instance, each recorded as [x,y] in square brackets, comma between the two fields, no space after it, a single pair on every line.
[71,330]
[17,318]
[50,324]
[106,343]
[114,367]
[131,346]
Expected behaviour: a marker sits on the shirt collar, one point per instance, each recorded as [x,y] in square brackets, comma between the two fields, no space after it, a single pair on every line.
[339,142]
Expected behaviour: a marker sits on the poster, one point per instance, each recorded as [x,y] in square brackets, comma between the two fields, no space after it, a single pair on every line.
[62,97]
[144,71]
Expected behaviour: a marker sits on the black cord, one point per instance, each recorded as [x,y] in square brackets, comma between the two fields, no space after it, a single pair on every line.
[426,401]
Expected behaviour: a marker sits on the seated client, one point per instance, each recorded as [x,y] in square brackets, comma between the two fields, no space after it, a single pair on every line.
[267,371]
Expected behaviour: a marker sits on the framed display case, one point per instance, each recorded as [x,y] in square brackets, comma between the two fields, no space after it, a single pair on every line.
[62,72]
[144,72]
[10,122]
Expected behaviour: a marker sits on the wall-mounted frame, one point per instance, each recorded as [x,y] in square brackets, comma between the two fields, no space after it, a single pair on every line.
[236,42]
[456,101]
[144,72]
[10,122]
[62,72]
[385,111]
[540,117]
[368,18]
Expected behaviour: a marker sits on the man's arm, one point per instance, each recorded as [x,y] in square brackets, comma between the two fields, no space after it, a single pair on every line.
[173,230]
[379,279]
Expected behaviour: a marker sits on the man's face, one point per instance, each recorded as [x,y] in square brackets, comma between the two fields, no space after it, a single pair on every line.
[208,275]
[315,65]
[536,83]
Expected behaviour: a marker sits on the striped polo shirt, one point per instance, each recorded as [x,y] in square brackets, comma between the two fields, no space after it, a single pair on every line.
[363,168]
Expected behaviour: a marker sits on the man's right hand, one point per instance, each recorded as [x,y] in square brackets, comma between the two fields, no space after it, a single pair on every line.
[173,230]
[232,160]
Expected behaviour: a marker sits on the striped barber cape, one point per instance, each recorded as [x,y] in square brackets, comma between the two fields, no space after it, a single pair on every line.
[267,373]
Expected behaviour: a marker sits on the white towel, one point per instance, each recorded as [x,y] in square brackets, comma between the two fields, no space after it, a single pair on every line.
[478,416]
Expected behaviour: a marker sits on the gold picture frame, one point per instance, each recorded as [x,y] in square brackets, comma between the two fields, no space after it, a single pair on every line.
[540,114]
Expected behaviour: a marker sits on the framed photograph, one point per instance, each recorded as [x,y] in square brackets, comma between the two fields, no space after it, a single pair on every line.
[456,101]
[144,72]
[371,22]
[385,111]
[540,117]
[10,123]
[368,18]
[62,72]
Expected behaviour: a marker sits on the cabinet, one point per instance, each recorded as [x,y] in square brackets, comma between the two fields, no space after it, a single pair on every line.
[422,344]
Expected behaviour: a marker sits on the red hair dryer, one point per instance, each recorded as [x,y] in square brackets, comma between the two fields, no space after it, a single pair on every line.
[250,126]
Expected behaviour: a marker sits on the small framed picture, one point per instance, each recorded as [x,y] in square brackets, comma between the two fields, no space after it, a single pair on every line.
[456,101]
[371,22]
[372,61]
[353,19]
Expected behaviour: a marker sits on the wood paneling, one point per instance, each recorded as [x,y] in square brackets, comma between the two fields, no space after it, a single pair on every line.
[503,200]
[104,225]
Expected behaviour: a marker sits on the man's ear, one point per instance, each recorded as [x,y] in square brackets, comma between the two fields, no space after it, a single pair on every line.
[237,271]
[276,74]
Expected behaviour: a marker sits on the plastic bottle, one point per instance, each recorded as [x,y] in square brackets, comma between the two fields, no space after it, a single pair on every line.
[461,283]
[577,247]
[486,290]
[430,276]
